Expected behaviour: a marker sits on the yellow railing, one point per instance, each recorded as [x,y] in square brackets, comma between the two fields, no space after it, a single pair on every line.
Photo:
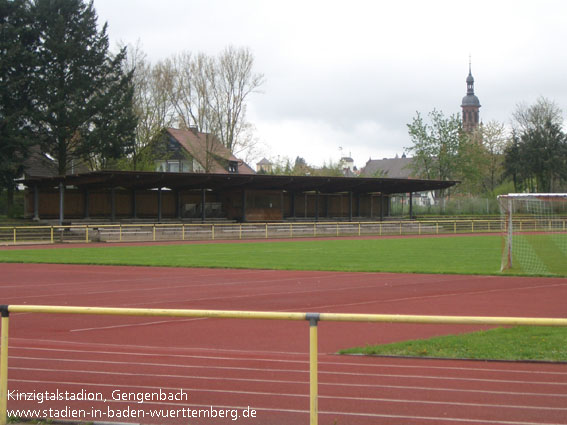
[313,319]
[229,231]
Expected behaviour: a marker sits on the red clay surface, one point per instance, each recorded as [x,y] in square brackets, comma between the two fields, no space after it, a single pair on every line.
[233,364]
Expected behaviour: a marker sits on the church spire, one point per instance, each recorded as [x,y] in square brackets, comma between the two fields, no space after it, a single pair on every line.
[470,104]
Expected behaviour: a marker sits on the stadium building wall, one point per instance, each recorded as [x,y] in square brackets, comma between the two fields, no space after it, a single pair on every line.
[260,205]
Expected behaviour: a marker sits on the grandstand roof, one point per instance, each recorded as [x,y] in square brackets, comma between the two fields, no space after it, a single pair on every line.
[188,181]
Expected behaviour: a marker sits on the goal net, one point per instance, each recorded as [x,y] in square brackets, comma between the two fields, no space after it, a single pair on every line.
[535,234]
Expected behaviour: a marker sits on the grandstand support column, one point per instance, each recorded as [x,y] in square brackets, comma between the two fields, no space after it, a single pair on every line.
[327,205]
[159,206]
[203,201]
[113,204]
[86,204]
[350,205]
[316,205]
[292,206]
[178,204]
[411,205]
[358,205]
[244,205]
[381,207]
[282,204]
[35,202]
[61,203]
[134,206]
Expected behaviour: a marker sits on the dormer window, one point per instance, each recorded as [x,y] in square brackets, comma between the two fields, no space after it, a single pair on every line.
[233,167]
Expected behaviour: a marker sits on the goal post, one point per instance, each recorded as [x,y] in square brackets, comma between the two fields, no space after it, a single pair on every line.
[534,232]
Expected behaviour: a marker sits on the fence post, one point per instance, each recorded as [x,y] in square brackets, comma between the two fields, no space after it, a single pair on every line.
[15,238]
[266,230]
[154,232]
[51,234]
[240,232]
[183,231]
[313,384]
[120,227]
[4,366]
[213,231]
[87,233]
[359,228]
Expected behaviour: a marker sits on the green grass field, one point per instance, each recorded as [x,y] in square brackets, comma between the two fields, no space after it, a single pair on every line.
[518,343]
[447,255]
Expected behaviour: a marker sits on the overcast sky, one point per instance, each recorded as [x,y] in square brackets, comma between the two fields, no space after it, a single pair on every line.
[352,74]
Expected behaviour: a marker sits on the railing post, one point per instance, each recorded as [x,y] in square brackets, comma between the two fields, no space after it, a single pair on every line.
[87,233]
[266,230]
[51,234]
[213,232]
[15,238]
[313,382]
[4,366]
[183,231]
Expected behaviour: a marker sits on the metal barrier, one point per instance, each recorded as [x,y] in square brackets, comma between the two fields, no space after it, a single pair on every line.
[229,231]
[313,319]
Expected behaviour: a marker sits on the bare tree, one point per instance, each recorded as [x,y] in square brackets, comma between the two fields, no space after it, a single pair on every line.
[526,118]
[190,91]
[194,92]
[232,83]
[151,103]
[494,141]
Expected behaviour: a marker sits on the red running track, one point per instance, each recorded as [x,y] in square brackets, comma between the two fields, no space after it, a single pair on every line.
[229,365]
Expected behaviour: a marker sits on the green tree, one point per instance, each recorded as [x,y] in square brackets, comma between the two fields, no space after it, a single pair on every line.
[17,43]
[482,155]
[83,108]
[437,147]
[536,159]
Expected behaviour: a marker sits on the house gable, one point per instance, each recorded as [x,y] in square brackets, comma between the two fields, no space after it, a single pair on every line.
[193,151]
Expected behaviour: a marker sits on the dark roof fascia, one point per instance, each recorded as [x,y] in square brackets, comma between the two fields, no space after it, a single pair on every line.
[188,181]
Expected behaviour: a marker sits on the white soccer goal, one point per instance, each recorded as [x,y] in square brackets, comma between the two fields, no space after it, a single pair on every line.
[535,232]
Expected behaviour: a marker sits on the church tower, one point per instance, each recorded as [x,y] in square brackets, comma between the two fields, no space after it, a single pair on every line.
[470,105]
